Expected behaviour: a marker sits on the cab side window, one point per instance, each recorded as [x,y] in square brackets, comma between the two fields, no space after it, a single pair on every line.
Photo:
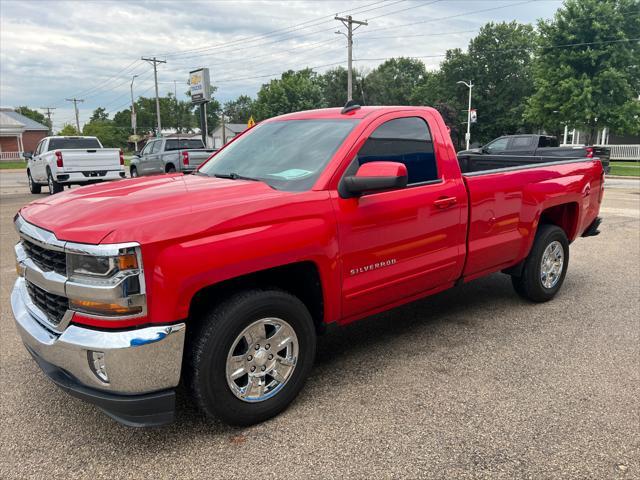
[156,146]
[404,140]
[147,148]
[498,145]
[38,150]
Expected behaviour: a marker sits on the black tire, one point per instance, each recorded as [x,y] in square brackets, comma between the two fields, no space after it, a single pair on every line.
[133,171]
[209,345]
[54,187]
[529,284]
[33,186]
[171,169]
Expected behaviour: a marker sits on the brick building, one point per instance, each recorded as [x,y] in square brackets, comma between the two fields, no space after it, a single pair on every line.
[18,134]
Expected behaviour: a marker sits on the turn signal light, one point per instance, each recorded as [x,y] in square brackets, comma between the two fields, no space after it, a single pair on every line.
[106,309]
[128,261]
[59,161]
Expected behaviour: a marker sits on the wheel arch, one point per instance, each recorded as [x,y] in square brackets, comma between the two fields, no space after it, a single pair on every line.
[168,166]
[301,279]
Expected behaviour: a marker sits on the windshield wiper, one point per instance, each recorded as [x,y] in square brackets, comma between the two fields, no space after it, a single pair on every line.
[236,176]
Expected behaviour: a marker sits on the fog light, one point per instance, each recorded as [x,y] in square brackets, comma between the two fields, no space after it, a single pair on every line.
[97,365]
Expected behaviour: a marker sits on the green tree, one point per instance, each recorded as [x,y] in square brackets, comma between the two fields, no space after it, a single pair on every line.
[499,63]
[99,115]
[68,130]
[239,110]
[292,92]
[33,115]
[334,87]
[596,82]
[393,82]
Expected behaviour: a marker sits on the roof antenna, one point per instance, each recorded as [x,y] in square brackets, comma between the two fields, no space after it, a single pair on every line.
[349,106]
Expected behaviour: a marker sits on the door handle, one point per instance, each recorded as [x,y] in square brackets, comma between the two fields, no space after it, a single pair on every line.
[445,202]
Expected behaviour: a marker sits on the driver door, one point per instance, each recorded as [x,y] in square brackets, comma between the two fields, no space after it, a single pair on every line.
[401,243]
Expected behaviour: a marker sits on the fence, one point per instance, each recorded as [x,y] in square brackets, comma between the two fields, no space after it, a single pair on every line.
[624,152]
[10,156]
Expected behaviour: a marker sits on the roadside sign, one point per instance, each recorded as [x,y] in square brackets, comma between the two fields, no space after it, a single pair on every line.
[251,122]
[199,87]
[474,116]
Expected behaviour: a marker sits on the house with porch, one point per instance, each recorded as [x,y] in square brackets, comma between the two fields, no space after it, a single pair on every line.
[18,134]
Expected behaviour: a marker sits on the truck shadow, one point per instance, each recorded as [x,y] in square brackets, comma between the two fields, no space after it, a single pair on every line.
[443,320]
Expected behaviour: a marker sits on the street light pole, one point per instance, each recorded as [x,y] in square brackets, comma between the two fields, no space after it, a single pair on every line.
[468,134]
[133,114]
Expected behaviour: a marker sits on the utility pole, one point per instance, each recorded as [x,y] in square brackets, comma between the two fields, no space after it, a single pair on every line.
[134,120]
[155,63]
[75,107]
[468,134]
[348,22]
[48,114]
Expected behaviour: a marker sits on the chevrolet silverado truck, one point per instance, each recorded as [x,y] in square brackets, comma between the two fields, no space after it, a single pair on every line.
[169,155]
[524,149]
[60,161]
[308,219]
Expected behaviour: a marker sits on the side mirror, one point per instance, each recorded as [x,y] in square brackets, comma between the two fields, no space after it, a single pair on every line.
[136,154]
[485,150]
[376,177]
[27,155]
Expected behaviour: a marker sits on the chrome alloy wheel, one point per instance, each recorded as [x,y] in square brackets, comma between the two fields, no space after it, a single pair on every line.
[551,265]
[262,359]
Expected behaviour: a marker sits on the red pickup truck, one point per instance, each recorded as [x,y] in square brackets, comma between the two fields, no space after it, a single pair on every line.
[221,280]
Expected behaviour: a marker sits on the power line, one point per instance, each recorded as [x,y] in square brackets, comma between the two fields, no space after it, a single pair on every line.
[48,114]
[315,21]
[349,22]
[75,107]
[155,63]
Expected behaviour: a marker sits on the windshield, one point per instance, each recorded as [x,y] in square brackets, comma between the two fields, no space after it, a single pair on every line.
[62,143]
[287,154]
[183,144]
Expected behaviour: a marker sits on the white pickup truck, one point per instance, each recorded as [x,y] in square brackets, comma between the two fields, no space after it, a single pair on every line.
[60,161]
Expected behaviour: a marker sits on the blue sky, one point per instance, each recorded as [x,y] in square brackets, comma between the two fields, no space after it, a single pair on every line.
[51,50]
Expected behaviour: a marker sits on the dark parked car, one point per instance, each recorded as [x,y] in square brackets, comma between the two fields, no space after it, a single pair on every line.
[517,150]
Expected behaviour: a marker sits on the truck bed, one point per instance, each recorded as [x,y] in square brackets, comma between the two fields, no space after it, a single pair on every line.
[505,205]
[472,164]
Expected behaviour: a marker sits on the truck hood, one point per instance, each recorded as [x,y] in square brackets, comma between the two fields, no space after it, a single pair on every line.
[124,210]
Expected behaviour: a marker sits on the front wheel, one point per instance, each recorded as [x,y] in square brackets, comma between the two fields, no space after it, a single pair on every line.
[54,187]
[134,172]
[33,186]
[545,267]
[251,356]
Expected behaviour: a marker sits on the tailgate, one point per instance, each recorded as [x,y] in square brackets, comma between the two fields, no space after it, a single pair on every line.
[198,157]
[82,160]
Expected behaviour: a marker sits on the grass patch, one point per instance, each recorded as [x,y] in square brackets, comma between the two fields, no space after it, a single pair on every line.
[12,165]
[625,169]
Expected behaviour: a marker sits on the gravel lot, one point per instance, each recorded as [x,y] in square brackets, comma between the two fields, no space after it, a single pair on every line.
[471,383]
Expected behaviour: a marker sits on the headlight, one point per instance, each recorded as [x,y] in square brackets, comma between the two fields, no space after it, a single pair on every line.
[107,283]
[98,267]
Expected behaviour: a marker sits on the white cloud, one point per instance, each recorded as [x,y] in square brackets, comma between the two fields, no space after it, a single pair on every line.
[53,50]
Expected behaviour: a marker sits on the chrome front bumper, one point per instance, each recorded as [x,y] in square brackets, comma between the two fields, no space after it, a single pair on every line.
[136,361]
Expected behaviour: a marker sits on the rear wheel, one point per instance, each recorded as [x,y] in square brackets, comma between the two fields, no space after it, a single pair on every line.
[54,187]
[134,172]
[33,186]
[171,169]
[251,356]
[546,266]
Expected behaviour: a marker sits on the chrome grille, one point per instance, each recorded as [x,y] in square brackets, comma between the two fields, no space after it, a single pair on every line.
[48,260]
[54,306]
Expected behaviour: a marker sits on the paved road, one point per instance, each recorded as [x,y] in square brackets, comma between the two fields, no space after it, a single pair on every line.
[471,383]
